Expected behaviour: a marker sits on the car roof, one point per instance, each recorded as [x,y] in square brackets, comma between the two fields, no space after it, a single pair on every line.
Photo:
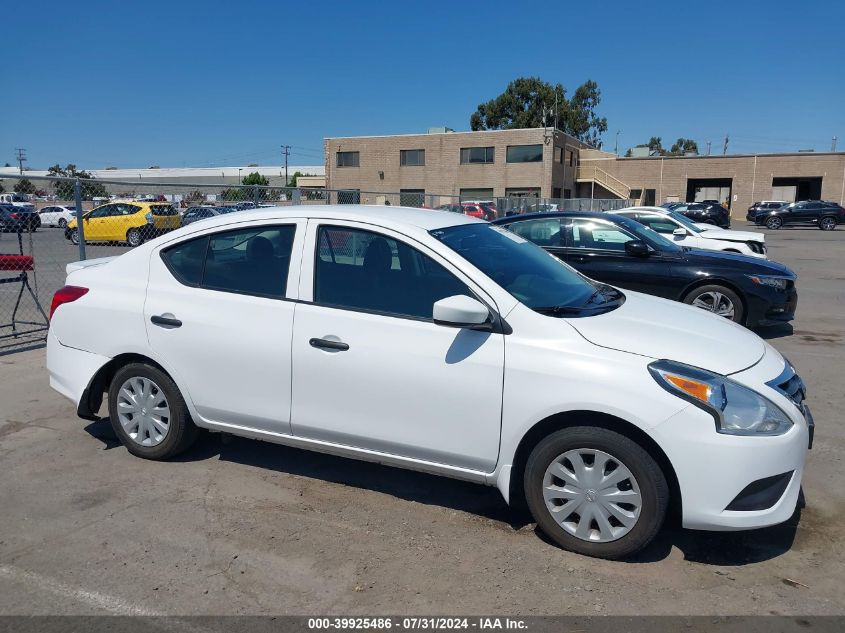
[384,215]
[554,214]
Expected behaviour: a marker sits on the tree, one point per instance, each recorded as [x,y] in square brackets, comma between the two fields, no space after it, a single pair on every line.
[2,188]
[530,102]
[65,189]
[683,146]
[24,186]
[654,145]
[255,178]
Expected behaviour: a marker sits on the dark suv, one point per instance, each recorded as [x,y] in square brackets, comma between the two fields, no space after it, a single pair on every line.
[18,219]
[706,213]
[765,205]
[825,215]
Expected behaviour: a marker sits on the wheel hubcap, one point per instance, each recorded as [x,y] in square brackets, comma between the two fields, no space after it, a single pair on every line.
[592,495]
[827,224]
[715,302]
[143,411]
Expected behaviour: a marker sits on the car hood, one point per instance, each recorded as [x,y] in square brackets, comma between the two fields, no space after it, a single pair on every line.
[734,263]
[663,329]
[734,236]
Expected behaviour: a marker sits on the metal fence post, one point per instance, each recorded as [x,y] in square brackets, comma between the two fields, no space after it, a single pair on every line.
[80,231]
[255,196]
[296,198]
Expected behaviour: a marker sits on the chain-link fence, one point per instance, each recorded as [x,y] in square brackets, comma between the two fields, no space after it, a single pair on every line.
[62,220]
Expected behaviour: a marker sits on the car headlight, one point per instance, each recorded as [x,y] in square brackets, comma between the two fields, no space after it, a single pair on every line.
[770,280]
[149,218]
[736,409]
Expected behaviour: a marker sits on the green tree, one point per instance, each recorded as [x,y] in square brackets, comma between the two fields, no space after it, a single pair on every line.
[530,102]
[683,146]
[2,188]
[24,186]
[255,178]
[65,189]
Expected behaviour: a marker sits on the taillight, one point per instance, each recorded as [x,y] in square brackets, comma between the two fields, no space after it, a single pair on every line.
[66,295]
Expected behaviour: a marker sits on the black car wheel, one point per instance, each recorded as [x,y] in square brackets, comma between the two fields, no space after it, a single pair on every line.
[134,237]
[827,224]
[719,300]
[62,223]
[774,223]
[74,236]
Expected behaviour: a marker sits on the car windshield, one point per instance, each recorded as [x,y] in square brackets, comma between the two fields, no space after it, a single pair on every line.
[534,277]
[682,219]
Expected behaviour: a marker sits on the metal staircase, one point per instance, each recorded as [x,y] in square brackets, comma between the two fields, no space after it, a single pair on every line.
[601,177]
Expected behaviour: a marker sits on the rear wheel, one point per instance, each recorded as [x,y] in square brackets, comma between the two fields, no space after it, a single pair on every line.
[148,413]
[774,222]
[134,237]
[62,223]
[595,492]
[827,224]
[718,300]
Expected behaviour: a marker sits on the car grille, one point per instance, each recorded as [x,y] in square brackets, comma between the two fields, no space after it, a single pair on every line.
[756,247]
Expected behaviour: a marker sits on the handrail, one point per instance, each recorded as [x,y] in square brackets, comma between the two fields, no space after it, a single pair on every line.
[606,180]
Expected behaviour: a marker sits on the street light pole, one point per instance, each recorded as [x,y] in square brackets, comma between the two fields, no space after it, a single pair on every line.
[616,146]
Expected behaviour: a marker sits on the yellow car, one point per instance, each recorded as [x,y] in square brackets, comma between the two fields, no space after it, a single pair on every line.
[131,222]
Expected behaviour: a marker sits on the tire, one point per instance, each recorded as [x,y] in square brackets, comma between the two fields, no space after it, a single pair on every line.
[719,300]
[62,223]
[141,430]
[134,237]
[74,236]
[642,482]
[774,223]
[827,223]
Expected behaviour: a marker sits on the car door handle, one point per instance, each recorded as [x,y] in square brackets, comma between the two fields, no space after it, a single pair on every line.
[324,343]
[165,321]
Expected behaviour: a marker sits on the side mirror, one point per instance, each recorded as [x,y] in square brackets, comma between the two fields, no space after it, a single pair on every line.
[460,311]
[637,248]
[679,232]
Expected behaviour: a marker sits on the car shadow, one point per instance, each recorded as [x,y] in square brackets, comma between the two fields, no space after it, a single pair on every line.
[770,332]
[729,549]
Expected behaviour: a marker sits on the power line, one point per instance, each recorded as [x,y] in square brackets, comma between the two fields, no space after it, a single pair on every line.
[21,158]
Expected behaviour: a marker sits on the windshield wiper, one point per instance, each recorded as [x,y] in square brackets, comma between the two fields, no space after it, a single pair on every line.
[556,310]
[609,292]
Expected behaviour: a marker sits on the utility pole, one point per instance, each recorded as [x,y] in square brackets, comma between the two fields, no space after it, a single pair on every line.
[286,153]
[708,148]
[833,145]
[616,145]
[725,148]
[21,158]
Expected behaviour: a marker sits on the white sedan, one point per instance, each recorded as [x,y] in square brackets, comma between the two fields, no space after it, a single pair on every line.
[682,230]
[433,341]
[57,216]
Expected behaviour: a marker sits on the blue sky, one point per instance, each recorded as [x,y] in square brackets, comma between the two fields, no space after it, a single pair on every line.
[189,83]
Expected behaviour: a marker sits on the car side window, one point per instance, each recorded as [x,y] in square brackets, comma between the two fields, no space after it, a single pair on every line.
[252,261]
[598,234]
[543,232]
[362,270]
[658,223]
[102,212]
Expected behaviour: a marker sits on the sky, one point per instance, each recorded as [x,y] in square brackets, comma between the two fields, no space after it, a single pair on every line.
[205,83]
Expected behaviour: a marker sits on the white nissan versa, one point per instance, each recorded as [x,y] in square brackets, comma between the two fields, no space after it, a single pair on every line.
[433,341]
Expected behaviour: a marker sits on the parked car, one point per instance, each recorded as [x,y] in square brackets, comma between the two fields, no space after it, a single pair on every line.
[706,213]
[765,205]
[450,346]
[192,214]
[131,222]
[825,215]
[18,219]
[480,210]
[18,200]
[617,250]
[684,232]
[57,216]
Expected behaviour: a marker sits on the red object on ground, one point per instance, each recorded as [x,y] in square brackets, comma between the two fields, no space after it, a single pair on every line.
[16,263]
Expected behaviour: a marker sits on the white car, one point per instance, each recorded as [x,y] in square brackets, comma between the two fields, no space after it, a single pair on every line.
[57,216]
[681,230]
[433,341]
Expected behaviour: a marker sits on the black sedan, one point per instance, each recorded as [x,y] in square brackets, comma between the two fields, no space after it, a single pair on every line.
[17,219]
[825,215]
[705,213]
[622,252]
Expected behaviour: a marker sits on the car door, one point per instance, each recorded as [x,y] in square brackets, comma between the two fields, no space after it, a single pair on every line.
[48,216]
[219,313]
[808,212]
[596,247]
[96,222]
[370,367]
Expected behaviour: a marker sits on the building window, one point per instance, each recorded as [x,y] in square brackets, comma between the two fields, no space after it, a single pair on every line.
[411,197]
[522,192]
[477,155]
[482,195]
[570,158]
[525,153]
[412,157]
[348,159]
[556,193]
[559,155]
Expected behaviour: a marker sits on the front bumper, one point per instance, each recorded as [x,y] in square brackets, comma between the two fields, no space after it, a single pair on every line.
[716,471]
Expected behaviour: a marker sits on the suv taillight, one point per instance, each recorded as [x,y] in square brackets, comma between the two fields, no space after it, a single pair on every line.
[66,295]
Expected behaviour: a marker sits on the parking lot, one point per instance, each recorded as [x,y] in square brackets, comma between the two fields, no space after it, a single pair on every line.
[240,526]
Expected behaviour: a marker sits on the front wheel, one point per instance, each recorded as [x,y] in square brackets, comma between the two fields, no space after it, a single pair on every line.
[62,223]
[74,236]
[134,237]
[774,223]
[595,492]
[148,413]
[719,300]
[827,224]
